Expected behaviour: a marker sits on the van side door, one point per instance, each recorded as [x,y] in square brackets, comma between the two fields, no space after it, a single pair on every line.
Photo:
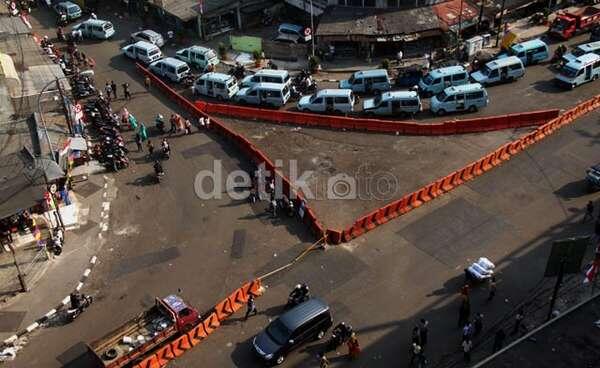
[458,79]
[460,101]
[447,81]
[329,104]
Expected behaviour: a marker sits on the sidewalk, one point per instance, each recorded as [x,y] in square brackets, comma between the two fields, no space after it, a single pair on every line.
[61,274]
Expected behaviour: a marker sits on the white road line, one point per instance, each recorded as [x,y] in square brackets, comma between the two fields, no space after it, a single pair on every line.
[105,185]
[66,300]
[102,214]
[104,227]
[93,260]
[86,273]
[49,314]
[106,206]
[32,326]
[11,339]
[99,235]
[79,286]
[104,195]
[105,177]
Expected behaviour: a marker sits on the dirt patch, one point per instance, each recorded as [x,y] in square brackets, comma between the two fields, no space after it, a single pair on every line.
[348,174]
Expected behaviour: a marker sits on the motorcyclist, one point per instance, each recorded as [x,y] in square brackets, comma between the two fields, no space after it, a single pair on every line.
[76,299]
[158,169]
[342,332]
[560,51]
[60,34]
[165,147]
[160,123]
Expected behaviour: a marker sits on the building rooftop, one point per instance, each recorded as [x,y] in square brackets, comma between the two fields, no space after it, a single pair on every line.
[449,13]
[343,21]
[189,9]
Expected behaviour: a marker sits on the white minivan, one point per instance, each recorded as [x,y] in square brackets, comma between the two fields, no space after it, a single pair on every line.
[198,56]
[340,101]
[267,76]
[170,68]
[266,94]
[95,28]
[143,51]
[218,85]
[500,70]
[467,97]
[393,103]
[585,68]
[438,79]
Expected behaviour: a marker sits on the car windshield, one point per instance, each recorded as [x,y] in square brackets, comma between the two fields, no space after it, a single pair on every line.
[107,26]
[428,79]
[351,80]
[441,96]
[313,98]
[72,10]
[211,55]
[230,83]
[486,71]
[278,332]
[560,24]
[578,52]
[155,52]
[568,71]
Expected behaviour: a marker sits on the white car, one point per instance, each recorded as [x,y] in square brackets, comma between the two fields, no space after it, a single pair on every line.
[148,35]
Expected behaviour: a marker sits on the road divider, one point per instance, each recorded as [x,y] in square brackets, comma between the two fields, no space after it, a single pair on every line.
[184,342]
[475,125]
[443,185]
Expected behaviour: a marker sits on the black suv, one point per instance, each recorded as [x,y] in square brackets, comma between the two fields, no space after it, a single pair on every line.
[307,321]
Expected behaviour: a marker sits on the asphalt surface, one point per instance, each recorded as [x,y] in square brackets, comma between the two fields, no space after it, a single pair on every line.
[163,238]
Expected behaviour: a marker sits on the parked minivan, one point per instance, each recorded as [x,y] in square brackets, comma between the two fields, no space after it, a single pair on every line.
[143,51]
[305,322]
[70,9]
[530,52]
[170,68]
[198,56]
[393,103]
[584,69]
[500,70]
[368,81]
[468,97]
[219,85]
[266,94]
[328,100]
[267,76]
[148,35]
[292,33]
[437,80]
[581,50]
[95,28]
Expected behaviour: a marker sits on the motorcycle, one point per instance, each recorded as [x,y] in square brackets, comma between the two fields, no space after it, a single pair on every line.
[160,123]
[340,334]
[55,243]
[557,59]
[299,295]
[238,71]
[79,303]
[188,80]
[158,171]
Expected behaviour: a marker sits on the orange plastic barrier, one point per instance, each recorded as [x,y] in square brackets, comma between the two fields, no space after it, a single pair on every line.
[476,125]
[448,183]
[185,342]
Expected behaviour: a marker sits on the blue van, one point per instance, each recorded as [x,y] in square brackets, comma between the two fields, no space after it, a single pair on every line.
[368,81]
[581,50]
[584,69]
[530,52]
[468,97]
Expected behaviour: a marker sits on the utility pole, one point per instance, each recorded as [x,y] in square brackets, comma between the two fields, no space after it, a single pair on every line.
[312,28]
[458,35]
[480,19]
[21,277]
[500,23]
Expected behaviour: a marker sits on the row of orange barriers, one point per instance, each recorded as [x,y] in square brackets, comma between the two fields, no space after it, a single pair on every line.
[234,302]
[482,124]
[249,149]
[447,183]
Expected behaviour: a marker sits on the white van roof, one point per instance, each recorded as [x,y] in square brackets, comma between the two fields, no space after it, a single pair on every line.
[218,77]
[275,72]
[471,87]
[583,60]
[145,45]
[274,86]
[334,92]
[499,63]
[398,94]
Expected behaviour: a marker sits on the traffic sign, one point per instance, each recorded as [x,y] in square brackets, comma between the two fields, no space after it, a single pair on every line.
[78,111]
[307,31]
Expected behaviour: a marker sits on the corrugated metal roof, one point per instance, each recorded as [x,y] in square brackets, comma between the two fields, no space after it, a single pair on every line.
[340,21]
[189,9]
[449,12]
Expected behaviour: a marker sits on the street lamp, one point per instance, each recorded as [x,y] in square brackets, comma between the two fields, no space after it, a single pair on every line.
[312,28]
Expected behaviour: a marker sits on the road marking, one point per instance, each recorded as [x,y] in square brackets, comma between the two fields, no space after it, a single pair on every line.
[79,286]
[11,339]
[106,206]
[105,177]
[66,300]
[87,272]
[104,227]
[99,235]
[104,195]
[49,314]
[32,326]
[93,260]
[105,185]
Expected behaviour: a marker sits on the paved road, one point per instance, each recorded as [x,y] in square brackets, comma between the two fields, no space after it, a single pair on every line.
[164,238]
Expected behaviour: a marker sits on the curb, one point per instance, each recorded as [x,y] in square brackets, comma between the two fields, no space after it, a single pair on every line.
[327,80]
[32,327]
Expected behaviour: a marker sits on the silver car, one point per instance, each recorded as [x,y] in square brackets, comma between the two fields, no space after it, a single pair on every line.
[148,35]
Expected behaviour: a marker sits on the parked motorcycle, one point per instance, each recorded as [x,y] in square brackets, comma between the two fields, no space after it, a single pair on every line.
[238,71]
[299,295]
[340,334]
[55,243]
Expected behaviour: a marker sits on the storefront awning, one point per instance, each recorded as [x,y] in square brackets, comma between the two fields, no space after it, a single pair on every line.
[18,195]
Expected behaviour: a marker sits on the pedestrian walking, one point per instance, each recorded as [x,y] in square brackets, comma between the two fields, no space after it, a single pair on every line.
[173,121]
[589,212]
[188,127]
[250,307]
[150,149]
[416,354]
[478,324]
[464,312]
[424,332]
[518,320]
[416,336]
[492,288]
[467,331]
[126,93]
[108,91]
[467,345]
[323,361]
[138,142]
[147,82]
[113,86]
[353,347]
[499,340]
